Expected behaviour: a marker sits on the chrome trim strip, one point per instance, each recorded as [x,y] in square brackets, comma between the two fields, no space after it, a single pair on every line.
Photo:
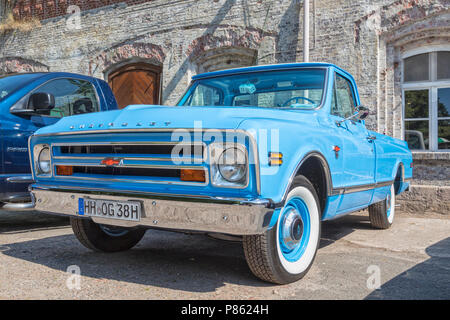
[20,179]
[337,192]
[143,166]
[134,180]
[134,143]
[384,184]
[19,197]
[361,188]
[18,206]
[127,158]
[198,184]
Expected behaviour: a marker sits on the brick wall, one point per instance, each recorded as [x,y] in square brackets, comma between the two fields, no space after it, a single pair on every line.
[183,37]
[45,9]
[366,38]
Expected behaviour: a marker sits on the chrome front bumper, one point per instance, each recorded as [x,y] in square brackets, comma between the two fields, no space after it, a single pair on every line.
[16,199]
[218,215]
[27,206]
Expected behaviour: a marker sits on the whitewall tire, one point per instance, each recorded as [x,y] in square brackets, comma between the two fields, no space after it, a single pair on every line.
[285,253]
[382,213]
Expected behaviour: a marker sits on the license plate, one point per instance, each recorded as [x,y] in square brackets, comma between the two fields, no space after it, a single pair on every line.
[120,210]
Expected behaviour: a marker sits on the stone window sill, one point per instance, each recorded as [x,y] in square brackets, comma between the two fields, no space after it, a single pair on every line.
[427,155]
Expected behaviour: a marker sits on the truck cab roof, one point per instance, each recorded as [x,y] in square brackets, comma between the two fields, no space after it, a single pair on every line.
[271,67]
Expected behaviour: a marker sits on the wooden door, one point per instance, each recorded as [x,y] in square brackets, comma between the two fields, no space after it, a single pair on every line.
[136,84]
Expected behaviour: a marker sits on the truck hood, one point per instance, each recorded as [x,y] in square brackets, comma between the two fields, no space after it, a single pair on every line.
[164,117]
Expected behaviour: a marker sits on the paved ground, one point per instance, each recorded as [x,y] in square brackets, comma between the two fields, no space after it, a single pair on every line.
[412,258]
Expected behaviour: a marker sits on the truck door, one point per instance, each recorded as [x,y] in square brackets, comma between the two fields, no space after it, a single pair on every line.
[14,133]
[357,151]
[72,96]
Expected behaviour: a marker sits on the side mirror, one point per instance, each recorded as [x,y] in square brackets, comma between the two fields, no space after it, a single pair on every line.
[362,112]
[41,102]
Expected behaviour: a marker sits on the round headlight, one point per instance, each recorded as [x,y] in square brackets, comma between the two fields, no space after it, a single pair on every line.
[233,165]
[44,161]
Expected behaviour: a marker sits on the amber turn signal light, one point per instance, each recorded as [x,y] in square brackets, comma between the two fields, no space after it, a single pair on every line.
[193,175]
[277,162]
[64,170]
[275,155]
[275,158]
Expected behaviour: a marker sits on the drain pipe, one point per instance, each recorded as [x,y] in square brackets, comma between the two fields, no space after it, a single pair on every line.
[306,32]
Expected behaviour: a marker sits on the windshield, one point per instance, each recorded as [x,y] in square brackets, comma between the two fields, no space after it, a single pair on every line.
[9,84]
[300,88]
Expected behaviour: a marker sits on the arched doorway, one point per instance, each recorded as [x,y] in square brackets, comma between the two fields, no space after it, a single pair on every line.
[137,83]
[225,58]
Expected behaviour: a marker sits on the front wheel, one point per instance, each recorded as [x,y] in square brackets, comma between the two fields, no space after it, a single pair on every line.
[381,214]
[105,238]
[285,253]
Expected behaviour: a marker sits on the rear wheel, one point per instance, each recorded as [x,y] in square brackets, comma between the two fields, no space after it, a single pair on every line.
[105,238]
[285,253]
[381,214]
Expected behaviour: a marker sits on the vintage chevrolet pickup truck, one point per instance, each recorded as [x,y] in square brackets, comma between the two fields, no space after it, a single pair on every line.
[264,153]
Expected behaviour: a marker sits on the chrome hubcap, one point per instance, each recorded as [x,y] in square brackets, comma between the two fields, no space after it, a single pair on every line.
[292,229]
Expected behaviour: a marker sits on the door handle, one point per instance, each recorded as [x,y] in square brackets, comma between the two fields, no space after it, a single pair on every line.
[371,138]
[340,124]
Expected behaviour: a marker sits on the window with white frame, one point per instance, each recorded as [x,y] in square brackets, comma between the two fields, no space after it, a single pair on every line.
[426,100]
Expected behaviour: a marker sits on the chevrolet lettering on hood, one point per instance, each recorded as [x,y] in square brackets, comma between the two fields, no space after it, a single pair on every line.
[261,154]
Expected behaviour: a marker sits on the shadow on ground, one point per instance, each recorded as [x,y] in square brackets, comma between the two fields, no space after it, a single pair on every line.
[334,230]
[196,263]
[24,221]
[425,281]
[193,263]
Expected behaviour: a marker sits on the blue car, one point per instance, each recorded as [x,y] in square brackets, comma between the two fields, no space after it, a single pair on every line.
[29,102]
[264,153]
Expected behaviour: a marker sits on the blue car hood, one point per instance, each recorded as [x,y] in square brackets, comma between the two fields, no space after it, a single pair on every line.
[144,117]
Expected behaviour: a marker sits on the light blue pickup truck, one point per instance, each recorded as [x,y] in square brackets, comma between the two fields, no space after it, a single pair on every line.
[264,153]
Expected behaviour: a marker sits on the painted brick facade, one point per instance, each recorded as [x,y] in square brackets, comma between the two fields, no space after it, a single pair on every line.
[45,9]
[367,38]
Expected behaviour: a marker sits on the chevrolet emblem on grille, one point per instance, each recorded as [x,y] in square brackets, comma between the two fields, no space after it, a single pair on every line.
[112,162]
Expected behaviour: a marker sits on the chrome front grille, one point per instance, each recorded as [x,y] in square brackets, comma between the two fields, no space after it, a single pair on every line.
[133,162]
[150,150]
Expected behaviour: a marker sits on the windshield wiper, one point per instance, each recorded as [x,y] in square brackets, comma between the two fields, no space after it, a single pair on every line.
[298,106]
[248,106]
